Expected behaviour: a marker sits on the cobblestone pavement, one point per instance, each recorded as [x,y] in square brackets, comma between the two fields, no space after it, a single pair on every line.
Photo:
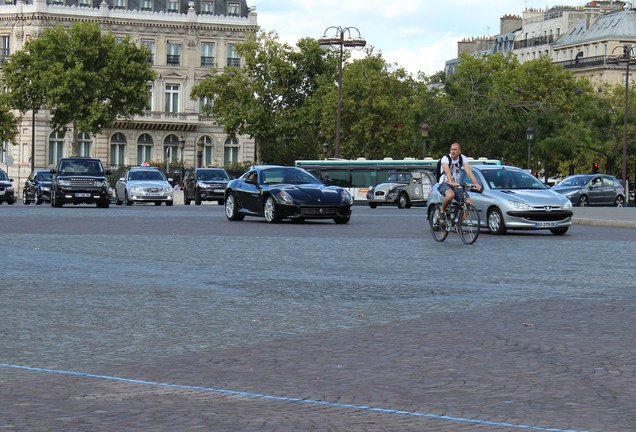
[372,326]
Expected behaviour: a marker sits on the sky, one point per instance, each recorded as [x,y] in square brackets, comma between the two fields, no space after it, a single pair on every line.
[418,35]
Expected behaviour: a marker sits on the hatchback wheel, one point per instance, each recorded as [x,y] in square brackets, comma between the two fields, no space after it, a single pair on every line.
[583,201]
[496,224]
[620,201]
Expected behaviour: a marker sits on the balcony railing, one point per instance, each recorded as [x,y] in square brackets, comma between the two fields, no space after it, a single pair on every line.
[234,62]
[583,62]
[173,59]
[207,61]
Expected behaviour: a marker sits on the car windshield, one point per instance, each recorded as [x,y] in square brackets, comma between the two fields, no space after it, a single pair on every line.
[151,175]
[399,177]
[3,176]
[511,179]
[90,167]
[575,181]
[211,175]
[44,176]
[287,176]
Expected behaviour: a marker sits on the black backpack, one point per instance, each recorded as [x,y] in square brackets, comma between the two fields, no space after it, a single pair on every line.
[438,170]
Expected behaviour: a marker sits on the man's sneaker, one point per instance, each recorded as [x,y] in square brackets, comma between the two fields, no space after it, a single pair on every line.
[441,218]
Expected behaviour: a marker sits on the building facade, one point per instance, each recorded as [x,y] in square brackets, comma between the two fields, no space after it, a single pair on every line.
[189,40]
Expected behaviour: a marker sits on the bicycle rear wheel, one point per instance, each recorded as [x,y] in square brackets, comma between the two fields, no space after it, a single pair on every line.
[437,230]
[468,224]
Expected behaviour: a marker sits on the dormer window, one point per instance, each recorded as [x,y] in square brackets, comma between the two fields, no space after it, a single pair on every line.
[119,4]
[207,7]
[173,6]
[146,5]
[233,9]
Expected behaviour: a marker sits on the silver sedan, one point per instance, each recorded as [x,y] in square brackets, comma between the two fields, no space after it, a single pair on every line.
[513,198]
[143,184]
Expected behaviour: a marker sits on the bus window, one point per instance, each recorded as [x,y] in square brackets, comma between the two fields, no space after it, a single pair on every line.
[363,178]
[338,177]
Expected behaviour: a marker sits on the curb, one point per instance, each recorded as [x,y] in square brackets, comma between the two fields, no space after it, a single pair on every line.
[601,222]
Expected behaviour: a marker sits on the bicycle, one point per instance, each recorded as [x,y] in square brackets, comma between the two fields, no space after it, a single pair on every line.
[460,216]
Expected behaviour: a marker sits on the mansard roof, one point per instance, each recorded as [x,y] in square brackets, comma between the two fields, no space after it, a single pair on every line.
[619,25]
[208,7]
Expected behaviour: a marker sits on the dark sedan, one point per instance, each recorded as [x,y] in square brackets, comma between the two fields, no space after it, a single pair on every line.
[278,192]
[592,189]
[37,187]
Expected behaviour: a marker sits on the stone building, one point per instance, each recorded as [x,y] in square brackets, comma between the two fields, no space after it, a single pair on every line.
[189,40]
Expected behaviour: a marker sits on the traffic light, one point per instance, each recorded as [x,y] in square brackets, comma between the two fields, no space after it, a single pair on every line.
[595,168]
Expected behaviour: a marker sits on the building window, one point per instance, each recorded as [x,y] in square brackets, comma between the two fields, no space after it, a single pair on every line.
[150,99]
[57,2]
[146,5]
[4,151]
[174,54]
[207,7]
[173,6]
[119,4]
[231,151]
[233,58]
[118,149]
[205,104]
[85,3]
[56,147]
[208,151]
[84,144]
[172,98]
[233,9]
[171,149]
[144,148]
[207,54]
[150,44]
[5,47]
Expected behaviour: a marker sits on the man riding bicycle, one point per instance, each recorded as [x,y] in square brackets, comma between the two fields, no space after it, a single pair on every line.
[449,186]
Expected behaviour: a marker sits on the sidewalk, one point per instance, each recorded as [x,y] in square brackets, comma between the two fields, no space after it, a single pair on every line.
[620,217]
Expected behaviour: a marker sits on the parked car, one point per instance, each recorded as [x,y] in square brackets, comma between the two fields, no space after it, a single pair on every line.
[403,188]
[513,198]
[80,180]
[144,184]
[279,192]
[205,184]
[37,187]
[6,188]
[592,189]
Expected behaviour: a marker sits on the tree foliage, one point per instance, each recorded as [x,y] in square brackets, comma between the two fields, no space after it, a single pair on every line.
[85,78]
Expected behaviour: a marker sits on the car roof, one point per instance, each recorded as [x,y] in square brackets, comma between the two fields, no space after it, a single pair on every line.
[142,168]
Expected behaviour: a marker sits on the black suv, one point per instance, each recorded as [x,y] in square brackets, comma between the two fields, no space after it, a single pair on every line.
[6,188]
[37,187]
[205,184]
[80,180]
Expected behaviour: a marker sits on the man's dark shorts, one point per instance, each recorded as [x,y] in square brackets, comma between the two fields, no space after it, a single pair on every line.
[442,188]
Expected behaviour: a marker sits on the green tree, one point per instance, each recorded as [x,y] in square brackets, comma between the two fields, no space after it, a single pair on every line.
[85,78]
[265,99]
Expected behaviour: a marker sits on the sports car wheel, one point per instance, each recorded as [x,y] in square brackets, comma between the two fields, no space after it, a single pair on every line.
[232,208]
[496,224]
[25,200]
[583,201]
[270,211]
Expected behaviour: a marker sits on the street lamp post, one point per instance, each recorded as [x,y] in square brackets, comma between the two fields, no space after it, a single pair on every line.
[529,138]
[338,38]
[624,60]
[181,148]
[424,130]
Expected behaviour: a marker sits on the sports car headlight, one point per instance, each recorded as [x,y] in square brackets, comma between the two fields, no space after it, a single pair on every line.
[519,205]
[285,198]
[346,198]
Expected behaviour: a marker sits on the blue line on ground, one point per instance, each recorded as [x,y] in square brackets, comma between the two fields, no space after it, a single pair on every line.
[286,399]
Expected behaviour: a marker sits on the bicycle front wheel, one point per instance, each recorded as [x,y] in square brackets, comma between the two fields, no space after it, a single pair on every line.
[468,224]
[437,230]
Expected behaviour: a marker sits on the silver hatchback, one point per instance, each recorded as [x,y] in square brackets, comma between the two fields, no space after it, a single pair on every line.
[512,198]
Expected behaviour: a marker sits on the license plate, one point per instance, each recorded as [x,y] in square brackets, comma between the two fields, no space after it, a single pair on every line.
[219,190]
[545,224]
[82,195]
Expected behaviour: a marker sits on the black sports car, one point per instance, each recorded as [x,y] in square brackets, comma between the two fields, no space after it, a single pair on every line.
[278,192]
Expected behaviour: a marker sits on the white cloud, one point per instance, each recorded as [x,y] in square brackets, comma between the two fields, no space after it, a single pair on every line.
[419,35]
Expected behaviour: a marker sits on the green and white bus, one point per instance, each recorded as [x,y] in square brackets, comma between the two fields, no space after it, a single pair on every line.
[357,175]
